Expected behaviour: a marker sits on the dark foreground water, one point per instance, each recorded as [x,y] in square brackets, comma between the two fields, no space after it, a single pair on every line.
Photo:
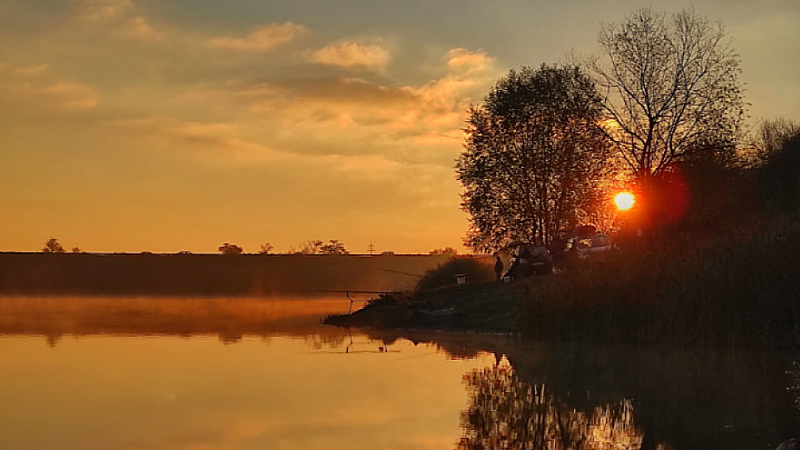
[160,373]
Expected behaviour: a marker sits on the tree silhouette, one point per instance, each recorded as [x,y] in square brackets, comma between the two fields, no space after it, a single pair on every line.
[505,412]
[333,247]
[311,247]
[230,249]
[669,88]
[266,248]
[772,137]
[318,247]
[533,155]
[446,251]
[52,246]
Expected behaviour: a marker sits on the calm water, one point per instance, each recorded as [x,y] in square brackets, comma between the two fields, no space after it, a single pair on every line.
[157,373]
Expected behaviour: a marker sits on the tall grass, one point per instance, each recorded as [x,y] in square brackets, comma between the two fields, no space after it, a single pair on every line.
[738,286]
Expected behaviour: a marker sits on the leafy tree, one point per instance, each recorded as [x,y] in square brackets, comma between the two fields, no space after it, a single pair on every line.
[447,251]
[669,88]
[230,249]
[333,247]
[266,248]
[533,157]
[52,246]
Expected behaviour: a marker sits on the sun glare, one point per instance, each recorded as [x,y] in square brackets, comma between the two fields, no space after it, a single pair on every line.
[624,201]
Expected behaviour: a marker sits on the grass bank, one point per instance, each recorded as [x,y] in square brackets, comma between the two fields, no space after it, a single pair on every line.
[734,286]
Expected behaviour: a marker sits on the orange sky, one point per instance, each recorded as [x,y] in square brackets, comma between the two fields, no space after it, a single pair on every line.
[133,125]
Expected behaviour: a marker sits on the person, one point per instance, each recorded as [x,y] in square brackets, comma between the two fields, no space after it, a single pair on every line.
[498,267]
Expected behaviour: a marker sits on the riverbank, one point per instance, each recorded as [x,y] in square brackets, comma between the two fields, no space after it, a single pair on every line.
[735,287]
[482,307]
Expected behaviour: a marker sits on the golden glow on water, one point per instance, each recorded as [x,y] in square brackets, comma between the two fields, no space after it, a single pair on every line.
[130,390]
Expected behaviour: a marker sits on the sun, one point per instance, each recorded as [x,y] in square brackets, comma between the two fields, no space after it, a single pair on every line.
[624,201]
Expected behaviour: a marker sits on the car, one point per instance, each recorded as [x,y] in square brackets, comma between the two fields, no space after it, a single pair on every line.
[527,259]
[595,247]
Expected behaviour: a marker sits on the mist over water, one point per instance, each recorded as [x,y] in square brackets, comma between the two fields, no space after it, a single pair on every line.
[263,373]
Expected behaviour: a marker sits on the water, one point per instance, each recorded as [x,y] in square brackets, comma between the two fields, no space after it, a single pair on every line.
[160,373]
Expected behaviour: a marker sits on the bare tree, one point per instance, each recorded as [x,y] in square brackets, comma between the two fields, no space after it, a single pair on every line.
[772,136]
[266,248]
[53,246]
[669,87]
[446,251]
[319,247]
[311,247]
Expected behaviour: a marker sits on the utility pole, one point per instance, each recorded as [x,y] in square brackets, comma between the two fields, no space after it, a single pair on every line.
[371,249]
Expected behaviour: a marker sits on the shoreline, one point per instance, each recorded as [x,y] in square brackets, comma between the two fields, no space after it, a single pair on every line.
[478,308]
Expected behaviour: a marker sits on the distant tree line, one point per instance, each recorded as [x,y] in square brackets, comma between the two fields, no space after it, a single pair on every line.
[311,247]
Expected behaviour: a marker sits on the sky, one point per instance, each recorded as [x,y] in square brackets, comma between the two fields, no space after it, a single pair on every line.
[163,126]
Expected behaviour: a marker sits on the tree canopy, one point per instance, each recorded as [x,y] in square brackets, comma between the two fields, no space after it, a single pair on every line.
[532,158]
[230,249]
[53,246]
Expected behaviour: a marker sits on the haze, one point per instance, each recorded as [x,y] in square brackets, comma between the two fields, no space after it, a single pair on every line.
[133,125]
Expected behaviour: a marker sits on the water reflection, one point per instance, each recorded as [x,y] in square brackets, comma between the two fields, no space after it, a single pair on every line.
[266,370]
[507,413]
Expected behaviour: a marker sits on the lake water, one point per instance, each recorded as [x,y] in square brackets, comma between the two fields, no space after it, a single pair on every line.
[161,373]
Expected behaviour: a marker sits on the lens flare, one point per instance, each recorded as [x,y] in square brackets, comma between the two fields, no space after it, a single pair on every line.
[624,201]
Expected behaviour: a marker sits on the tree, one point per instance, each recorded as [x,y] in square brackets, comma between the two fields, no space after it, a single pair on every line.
[230,249]
[669,88]
[311,247]
[333,247]
[76,250]
[533,157]
[53,246]
[447,251]
[266,248]
[772,137]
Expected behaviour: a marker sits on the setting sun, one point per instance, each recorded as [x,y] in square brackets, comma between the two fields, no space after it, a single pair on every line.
[624,201]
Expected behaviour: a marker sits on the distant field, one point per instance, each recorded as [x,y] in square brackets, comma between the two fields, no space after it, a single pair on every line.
[238,275]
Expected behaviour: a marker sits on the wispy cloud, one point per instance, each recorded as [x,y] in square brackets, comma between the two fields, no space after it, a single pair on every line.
[103,10]
[38,88]
[119,17]
[349,54]
[263,38]
[463,60]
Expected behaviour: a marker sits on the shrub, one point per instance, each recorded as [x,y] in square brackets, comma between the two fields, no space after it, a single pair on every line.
[444,274]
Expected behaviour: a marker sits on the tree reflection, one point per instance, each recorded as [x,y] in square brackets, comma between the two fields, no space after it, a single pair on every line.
[507,413]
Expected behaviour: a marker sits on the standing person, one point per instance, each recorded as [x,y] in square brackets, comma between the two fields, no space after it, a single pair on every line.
[498,267]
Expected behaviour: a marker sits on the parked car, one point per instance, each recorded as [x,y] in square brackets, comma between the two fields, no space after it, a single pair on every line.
[527,259]
[595,247]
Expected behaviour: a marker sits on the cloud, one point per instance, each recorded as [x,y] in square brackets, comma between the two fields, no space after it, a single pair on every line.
[103,10]
[350,54]
[263,38]
[463,60]
[360,117]
[118,17]
[36,87]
